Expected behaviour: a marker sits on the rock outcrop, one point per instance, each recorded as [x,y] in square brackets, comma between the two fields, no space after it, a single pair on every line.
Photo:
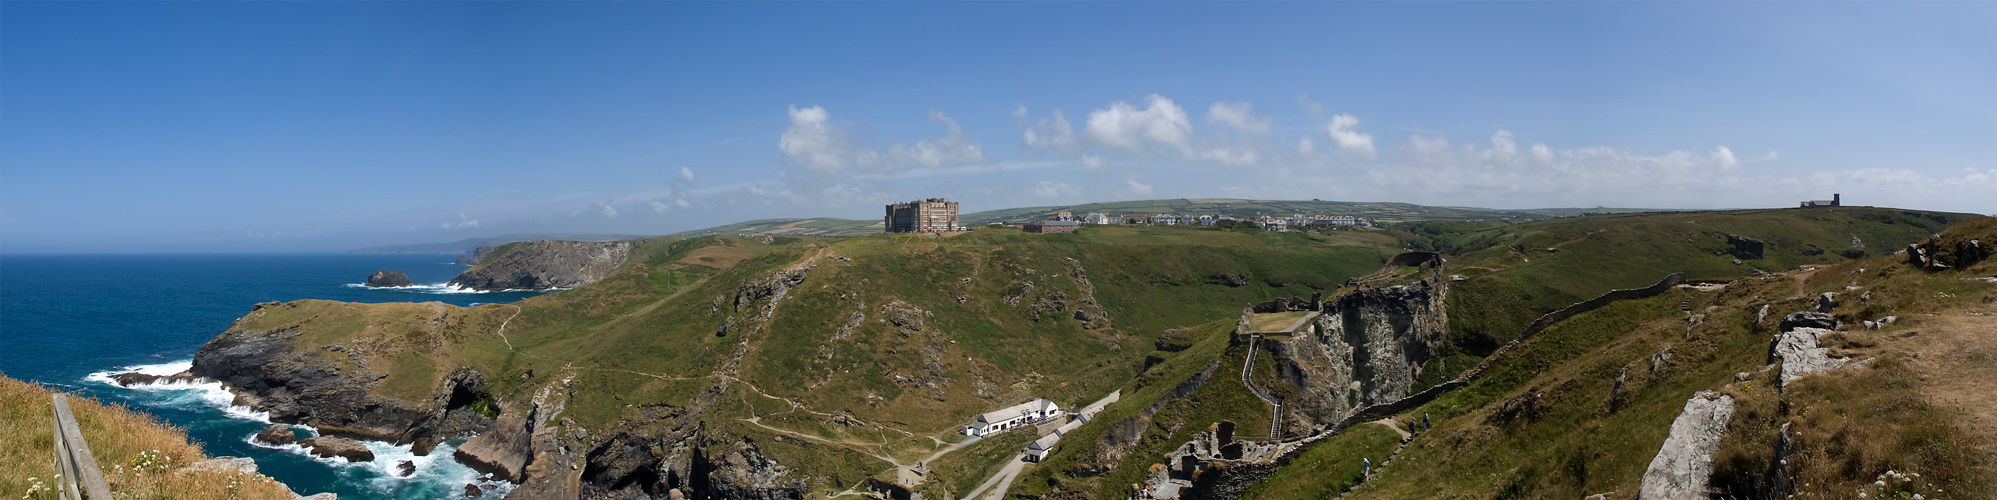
[1801,355]
[541,265]
[330,446]
[386,278]
[136,378]
[502,450]
[1367,348]
[1684,465]
[761,296]
[277,435]
[743,472]
[297,386]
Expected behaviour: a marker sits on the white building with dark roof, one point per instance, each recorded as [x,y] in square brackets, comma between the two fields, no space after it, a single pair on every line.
[1013,417]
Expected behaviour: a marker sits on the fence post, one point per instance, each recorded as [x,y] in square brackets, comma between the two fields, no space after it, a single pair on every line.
[81,479]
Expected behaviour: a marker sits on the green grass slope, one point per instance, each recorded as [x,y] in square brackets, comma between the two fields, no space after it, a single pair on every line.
[888,341]
[1519,271]
[1384,212]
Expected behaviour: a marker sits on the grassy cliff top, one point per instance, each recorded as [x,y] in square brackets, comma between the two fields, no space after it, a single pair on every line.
[123,441]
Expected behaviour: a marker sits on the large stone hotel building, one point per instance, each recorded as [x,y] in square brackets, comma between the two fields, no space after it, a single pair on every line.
[933,215]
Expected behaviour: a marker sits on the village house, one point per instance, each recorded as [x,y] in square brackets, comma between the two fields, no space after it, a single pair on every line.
[1041,447]
[1064,215]
[1096,218]
[1013,417]
[1166,219]
[1136,219]
[1206,220]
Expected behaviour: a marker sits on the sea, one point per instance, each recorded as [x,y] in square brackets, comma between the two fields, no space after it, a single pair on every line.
[68,322]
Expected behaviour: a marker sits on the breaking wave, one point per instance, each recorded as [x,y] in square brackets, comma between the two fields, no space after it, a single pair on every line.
[436,475]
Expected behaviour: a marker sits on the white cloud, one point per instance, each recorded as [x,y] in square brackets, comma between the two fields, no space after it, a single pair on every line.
[660,207]
[816,145]
[607,210]
[1122,126]
[1048,133]
[463,222]
[1093,161]
[1050,189]
[1139,188]
[951,149]
[1305,146]
[1240,116]
[1341,132]
[686,174]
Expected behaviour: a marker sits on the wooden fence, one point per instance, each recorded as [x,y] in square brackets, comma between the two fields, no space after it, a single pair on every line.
[80,478]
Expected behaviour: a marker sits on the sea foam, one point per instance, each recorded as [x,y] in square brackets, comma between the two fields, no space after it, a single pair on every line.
[437,474]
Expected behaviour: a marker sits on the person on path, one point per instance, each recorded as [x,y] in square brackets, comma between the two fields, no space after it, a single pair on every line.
[1368,462]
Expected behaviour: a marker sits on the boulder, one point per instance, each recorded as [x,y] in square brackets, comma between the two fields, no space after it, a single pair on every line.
[136,378]
[472,491]
[225,465]
[1827,301]
[502,450]
[1807,320]
[328,447]
[1684,464]
[387,278]
[406,468]
[1801,355]
[277,435]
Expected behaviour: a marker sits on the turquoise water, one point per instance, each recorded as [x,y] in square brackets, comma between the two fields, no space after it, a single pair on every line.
[67,321]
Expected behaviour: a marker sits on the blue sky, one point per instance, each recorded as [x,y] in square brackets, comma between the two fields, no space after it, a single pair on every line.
[323,126]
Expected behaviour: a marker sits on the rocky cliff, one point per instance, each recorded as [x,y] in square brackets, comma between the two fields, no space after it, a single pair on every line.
[541,265]
[273,370]
[1367,348]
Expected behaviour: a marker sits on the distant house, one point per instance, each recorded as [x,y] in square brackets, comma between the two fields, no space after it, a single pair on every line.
[1136,219]
[1166,219]
[1206,220]
[1064,215]
[1833,202]
[1275,224]
[1041,447]
[1013,417]
[1052,226]
[1096,218]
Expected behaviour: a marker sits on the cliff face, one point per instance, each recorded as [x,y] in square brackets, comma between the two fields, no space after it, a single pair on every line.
[299,385]
[541,265]
[1366,348]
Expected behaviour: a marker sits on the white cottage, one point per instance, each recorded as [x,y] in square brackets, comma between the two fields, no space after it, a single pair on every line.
[1013,417]
[1041,447]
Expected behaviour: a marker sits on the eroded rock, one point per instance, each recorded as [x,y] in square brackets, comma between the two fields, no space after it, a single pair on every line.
[331,446]
[1684,465]
[385,278]
[277,435]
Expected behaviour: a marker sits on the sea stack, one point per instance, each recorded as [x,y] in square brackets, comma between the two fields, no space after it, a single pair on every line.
[387,278]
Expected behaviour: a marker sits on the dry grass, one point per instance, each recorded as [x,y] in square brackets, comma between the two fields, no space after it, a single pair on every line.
[141,458]
[1274,322]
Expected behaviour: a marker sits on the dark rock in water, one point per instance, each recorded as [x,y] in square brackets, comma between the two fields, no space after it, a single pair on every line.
[277,435]
[136,378]
[472,491]
[1807,320]
[387,278]
[406,468]
[328,446]
[423,445]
